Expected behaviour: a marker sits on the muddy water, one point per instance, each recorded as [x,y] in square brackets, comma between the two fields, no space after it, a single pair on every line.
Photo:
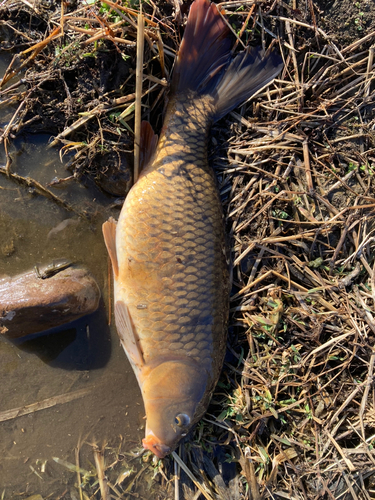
[83,356]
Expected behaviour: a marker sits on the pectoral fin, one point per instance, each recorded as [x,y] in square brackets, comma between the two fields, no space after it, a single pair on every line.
[109,233]
[128,337]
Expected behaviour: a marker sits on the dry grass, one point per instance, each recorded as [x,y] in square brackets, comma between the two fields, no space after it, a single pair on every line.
[293,415]
[299,197]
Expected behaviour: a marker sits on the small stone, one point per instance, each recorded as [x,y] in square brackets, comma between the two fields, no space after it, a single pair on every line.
[29,304]
[8,248]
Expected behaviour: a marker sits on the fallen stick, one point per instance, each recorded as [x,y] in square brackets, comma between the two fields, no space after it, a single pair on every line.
[43,405]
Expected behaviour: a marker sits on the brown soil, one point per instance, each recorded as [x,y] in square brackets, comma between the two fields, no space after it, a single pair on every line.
[347,20]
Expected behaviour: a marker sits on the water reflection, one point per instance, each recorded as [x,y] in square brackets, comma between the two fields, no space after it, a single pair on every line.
[83,355]
[84,344]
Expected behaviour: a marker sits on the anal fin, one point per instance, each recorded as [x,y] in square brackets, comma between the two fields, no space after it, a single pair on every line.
[128,337]
[109,233]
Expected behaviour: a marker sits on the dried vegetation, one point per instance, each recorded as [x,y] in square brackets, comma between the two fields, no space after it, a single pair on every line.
[293,415]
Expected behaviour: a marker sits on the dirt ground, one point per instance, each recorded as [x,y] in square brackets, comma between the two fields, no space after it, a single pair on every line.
[293,413]
[347,20]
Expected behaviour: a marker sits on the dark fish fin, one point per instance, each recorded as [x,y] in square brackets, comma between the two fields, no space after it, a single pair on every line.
[204,50]
[204,63]
[128,338]
[248,72]
[149,141]
[109,233]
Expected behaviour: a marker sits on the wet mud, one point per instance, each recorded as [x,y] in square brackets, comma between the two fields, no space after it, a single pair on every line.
[84,355]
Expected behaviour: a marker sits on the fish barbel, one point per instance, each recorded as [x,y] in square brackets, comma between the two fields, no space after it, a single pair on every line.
[168,251]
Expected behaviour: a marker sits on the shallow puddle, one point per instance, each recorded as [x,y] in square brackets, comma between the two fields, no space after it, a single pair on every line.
[84,356]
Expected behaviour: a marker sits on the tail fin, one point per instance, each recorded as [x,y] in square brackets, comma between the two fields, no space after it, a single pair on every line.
[204,63]
[248,72]
[204,50]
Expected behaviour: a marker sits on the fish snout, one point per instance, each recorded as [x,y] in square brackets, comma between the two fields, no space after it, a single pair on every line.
[151,442]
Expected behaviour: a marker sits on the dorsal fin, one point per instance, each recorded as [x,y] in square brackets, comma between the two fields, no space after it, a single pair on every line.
[149,141]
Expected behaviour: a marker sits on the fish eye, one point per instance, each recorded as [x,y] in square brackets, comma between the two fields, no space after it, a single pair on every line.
[182,420]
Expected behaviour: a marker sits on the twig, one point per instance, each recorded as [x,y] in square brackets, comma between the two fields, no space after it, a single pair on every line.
[369,384]
[100,469]
[27,181]
[138,94]
[348,462]
[191,476]
[43,405]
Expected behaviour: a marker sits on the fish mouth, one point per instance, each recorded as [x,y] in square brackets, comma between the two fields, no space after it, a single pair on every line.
[151,442]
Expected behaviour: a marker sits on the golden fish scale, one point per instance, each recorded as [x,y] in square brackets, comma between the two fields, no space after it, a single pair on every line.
[172,261]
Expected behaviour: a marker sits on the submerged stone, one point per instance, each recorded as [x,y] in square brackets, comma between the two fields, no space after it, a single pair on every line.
[33,302]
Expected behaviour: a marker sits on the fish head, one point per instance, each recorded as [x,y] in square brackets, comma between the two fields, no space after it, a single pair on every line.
[173,394]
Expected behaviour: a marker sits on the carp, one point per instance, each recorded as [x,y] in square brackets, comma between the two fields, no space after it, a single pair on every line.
[168,248]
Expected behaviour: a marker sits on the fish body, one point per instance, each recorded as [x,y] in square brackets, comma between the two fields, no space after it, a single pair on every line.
[173,279]
[168,248]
